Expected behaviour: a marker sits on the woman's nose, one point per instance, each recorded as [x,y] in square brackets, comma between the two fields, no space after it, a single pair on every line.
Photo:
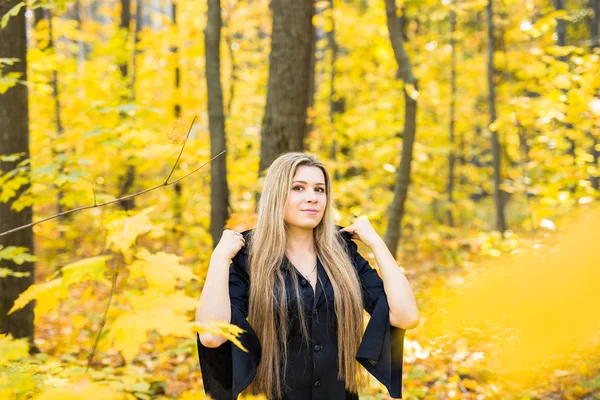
[310,195]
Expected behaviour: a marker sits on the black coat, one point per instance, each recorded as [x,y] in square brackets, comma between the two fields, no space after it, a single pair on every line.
[312,372]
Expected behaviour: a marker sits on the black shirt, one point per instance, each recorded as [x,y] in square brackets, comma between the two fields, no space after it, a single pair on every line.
[311,371]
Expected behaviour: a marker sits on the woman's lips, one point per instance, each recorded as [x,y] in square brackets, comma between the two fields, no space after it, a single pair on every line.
[309,212]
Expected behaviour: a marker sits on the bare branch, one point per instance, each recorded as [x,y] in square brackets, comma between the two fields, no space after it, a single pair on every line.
[165,183]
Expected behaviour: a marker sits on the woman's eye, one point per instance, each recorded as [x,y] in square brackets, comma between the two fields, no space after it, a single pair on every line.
[319,189]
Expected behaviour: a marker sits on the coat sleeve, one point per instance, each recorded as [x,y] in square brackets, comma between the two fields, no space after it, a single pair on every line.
[227,370]
[382,345]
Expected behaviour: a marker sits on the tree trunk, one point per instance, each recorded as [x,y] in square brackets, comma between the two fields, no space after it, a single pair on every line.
[81,51]
[284,123]
[136,40]
[14,138]
[311,87]
[57,117]
[561,24]
[594,151]
[396,209]
[219,191]
[127,180]
[452,155]
[496,150]
[595,23]
[335,105]
[176,111]
[125,22]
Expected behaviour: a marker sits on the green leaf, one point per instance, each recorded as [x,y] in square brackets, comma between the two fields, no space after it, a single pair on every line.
[4,272]
[84,270]
[17,254]
[11,157]
[13,12]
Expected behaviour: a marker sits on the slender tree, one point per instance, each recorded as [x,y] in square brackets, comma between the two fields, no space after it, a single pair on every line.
[496,150]
[14,138]
[452,156]
[124,25]
[176,106]
[127,180]
[336,105]
[57,114]
[594,146]
[405,73]
[595,23]
[219,190]
[136,39]
[284,122]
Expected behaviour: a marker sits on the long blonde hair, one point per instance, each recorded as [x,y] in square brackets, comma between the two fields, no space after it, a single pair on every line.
[267,302]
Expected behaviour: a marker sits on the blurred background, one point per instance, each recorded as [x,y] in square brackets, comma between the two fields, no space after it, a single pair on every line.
[468,132]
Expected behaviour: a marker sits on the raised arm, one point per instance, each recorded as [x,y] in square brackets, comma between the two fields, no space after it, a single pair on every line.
[215,303]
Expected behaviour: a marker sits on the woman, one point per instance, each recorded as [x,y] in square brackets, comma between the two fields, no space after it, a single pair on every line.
[302,285]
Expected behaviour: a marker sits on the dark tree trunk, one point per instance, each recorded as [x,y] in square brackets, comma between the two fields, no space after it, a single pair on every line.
[496,150]
[595,23]
[126,181]
[14,138]
[284,123]
[219,191]
[561,24]
[125,22]
[57,116]
[335,106]
[177,75]
[81,51]
[311,76]
[396,209]
[176,111]
[136,40]
[452,155]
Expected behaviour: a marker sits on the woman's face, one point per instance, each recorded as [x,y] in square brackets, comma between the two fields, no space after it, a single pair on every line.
[306,193]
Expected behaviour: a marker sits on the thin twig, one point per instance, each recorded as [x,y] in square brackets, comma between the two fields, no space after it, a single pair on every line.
[165,183]
[103,322]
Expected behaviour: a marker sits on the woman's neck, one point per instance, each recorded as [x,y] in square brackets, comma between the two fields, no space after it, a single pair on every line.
[300,241]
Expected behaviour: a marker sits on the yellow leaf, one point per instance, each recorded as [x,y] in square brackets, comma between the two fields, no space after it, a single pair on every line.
[122,233]
[412,91]
[47,295]
[152,311]
[161,270]
[229,331]
[12,350]
[83,389]
[496,125]
[562,81]
[92,268]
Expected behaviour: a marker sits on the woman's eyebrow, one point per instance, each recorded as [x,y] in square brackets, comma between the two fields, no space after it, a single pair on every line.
[318,183]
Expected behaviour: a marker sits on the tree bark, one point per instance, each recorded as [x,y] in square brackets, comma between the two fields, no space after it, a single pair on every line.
[284,122]
[219,190]
[176,111]
[14,138]
[124,25]
[396,209]
[595,23]
[496,150]
[127,180]
[136,40]
[452,155]
[57,115]
[561,24]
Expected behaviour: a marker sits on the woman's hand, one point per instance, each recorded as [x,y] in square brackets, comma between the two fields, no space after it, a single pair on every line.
[231,242]
[363,231]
